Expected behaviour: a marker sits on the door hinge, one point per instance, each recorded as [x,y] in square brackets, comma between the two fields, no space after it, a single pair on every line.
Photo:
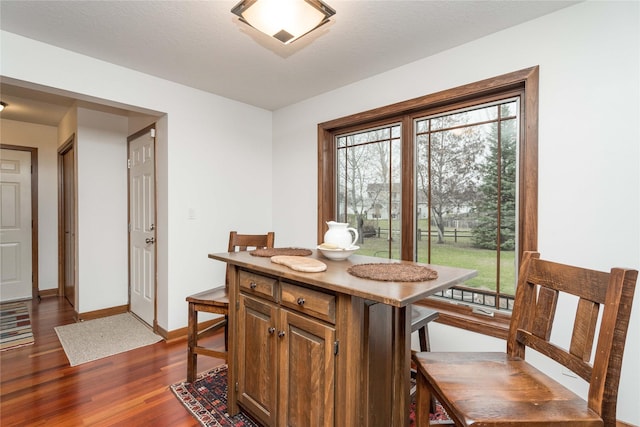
[152,132]
[237,305]
[236,385]
[128,163]
[335,348]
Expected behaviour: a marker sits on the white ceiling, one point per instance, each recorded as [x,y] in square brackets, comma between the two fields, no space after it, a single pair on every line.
[202,45]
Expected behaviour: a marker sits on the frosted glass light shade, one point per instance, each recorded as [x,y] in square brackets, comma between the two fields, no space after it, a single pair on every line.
[285,20]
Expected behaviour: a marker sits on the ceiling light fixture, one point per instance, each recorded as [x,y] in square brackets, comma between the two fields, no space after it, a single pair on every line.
[285,20]
[3,105]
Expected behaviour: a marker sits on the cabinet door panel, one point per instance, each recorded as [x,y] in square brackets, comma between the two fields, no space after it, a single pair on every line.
[257,368]
[306,388]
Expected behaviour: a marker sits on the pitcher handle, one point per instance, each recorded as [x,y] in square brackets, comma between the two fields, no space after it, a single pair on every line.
[355,235]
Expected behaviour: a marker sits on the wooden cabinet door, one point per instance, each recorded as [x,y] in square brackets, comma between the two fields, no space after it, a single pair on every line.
[257,358]
[307,367]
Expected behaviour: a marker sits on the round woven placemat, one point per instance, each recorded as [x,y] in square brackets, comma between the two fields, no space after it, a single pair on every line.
[269,252]
[394,272]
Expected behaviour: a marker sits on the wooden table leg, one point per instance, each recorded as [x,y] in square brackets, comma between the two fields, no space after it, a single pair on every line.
[401,343]
[192,340]
[232,372]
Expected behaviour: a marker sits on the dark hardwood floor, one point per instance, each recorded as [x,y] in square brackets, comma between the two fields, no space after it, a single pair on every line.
[38,387]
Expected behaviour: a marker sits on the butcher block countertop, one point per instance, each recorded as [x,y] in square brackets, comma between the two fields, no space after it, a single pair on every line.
[336,278]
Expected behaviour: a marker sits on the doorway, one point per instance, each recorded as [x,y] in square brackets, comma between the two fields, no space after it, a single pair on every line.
[142,225]
[67,221]
[18,222]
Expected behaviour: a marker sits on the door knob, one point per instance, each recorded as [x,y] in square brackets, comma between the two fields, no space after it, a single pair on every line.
[150,240]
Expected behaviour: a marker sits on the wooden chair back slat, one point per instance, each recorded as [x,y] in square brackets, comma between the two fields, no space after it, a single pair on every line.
[584,329]
[544,313]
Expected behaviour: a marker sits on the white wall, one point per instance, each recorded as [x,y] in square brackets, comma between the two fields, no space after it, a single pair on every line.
[216,160]
[101,149]
[589,158]
[219,169]
[44,139]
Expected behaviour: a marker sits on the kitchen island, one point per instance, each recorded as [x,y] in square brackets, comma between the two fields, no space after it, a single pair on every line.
[325,348]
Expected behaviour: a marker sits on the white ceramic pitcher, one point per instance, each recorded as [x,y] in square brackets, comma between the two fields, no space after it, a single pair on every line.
[339,234]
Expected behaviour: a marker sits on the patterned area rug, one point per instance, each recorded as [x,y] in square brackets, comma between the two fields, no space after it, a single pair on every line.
[15,326]
[440,416]
[206,399]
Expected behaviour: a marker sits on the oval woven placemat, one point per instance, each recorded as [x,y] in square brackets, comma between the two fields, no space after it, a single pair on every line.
[394,272]
[269,252]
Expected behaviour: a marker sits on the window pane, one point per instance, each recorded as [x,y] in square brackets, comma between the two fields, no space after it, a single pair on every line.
[465,196]
[508,201]
[369,188]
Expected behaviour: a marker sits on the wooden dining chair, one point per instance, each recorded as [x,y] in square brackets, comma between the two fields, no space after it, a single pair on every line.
[217,301]
[502,389]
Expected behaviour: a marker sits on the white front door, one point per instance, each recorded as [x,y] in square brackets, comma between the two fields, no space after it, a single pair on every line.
[15,225]
[142,217]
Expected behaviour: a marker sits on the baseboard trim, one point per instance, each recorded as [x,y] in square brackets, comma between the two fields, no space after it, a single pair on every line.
[105,312]
[48,293]
[179,334]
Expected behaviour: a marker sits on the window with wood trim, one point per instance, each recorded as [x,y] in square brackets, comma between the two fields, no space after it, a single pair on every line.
[448,178]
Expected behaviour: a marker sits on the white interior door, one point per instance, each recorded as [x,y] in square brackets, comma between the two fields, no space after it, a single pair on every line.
[15,225]
[142,262]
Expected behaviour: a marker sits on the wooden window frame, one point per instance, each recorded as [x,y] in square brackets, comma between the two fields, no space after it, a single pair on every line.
[523,83]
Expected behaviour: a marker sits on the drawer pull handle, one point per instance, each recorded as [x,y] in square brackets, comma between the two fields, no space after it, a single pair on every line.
[281,334]
[300,301]
[272,330]
[253,285]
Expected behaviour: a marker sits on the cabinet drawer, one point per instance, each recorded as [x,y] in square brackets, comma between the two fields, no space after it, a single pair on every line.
[305,300]
[258,285]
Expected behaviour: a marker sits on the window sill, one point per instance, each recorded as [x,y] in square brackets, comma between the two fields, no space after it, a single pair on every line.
[462,316]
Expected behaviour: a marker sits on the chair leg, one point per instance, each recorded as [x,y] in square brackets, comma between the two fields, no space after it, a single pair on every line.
[226,335]
[425,345]
[423,334]
[424,402]
[192,342]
